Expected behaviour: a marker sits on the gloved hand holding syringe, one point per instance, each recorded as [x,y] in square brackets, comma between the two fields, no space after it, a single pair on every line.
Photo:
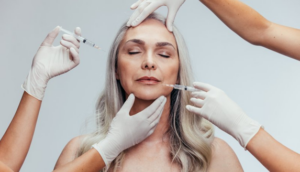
[214,105]
[51,61]
[84,40]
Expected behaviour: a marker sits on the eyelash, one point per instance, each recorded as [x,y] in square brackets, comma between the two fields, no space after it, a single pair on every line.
[132,53]
[164,56]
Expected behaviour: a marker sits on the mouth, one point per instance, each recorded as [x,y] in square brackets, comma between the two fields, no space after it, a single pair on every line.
[148,80]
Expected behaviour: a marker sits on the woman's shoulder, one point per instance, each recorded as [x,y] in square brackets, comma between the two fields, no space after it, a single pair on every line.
[223,157]
[68,154]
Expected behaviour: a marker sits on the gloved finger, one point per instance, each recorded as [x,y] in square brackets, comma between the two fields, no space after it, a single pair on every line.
[154,124]
[150,132]
[197,102]
[137,12]
[72,39]
[195,110]
[152,108]
[133,17]
[75,56]
[136,4]
[48,41]
[170,19]
[202,86]
[199,94]
[145,13]
[68,45]
[156,120]
[158,112]
[128,104]
[77,31]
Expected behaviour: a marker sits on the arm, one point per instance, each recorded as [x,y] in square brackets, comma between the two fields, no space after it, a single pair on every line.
[48,62]
[223,158]
[89,161]
[16,141]
[268,150]
[254,28]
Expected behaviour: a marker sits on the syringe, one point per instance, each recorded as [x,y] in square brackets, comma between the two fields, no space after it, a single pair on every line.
[85,41]
[182,87]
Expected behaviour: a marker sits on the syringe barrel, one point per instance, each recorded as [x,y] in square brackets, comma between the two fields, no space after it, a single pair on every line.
[88,42]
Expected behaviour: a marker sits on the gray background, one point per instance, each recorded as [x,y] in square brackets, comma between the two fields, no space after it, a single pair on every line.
[264,83]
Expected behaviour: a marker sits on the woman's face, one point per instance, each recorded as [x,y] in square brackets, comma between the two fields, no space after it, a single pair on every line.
[148,59]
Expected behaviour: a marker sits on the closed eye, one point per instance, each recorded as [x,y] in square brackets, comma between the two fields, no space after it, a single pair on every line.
[136,52]
[166,56]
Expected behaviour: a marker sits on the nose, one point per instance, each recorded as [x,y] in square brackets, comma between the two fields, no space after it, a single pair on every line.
[149,62]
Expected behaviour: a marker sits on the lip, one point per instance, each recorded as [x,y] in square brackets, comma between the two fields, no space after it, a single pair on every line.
[148,80]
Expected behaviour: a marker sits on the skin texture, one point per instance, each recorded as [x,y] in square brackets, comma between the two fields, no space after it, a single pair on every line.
[4,168]
[254,28]
[149,59]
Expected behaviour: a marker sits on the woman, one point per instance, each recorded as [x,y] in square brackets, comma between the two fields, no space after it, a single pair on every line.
[257,30]
[141,61]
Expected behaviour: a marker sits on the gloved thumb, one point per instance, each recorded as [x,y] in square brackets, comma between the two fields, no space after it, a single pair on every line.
[170,19]
[51,37]
[128,104]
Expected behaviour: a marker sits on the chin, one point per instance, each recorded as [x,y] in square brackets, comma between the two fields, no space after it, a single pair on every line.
[150,94]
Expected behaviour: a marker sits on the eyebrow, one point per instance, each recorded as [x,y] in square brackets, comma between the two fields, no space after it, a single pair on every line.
[158,44]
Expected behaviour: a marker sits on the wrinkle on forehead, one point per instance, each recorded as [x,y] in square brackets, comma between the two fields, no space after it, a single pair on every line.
[150,31]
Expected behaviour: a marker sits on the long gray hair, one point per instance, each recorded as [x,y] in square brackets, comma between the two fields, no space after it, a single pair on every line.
[190,135]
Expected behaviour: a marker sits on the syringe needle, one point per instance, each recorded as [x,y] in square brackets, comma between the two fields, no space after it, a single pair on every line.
[85,41]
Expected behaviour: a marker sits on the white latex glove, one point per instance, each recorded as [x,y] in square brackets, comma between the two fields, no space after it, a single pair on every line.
[146,7]
[214,105]
[50,61]
[126,131]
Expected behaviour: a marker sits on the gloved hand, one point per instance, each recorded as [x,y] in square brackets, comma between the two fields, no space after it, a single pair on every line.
[146,7]
[214,105]
[126,131]
[50,61]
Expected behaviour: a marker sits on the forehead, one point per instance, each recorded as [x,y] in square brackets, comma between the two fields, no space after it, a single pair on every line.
[150,31]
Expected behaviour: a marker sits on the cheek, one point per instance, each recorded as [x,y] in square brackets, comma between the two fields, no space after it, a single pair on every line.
[126,71]
[170,72]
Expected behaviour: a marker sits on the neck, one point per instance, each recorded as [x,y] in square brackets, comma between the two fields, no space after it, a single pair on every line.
[159,133]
